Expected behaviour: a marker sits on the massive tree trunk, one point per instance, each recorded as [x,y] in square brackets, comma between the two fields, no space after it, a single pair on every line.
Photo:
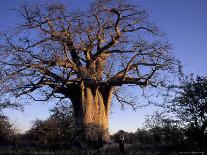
[91,109]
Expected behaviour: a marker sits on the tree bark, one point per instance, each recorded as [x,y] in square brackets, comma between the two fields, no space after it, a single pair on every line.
[91,111]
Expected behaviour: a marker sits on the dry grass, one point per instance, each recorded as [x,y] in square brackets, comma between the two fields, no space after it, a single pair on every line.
[77,152]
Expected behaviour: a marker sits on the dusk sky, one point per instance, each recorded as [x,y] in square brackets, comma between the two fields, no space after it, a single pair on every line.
[183,21]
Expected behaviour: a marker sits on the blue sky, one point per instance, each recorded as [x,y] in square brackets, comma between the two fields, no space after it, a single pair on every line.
[183,21]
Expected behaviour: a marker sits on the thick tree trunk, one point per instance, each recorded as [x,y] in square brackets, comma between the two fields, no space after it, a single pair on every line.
[91,108]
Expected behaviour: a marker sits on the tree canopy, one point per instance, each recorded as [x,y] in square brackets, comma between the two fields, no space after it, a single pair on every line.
[189,102]
[53,49]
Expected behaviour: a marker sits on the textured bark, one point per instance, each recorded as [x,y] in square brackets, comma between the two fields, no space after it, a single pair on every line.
[91,108]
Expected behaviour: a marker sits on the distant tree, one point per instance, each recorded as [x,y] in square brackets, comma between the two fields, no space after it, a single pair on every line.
[68,130]
[189,102]
[157,119]
[116,136]
[173,134]
[143,136]
[6,131]
[58,129]
[163,129]
[83,56]
[43,131]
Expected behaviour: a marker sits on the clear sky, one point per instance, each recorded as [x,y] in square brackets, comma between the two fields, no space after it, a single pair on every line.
[184,22]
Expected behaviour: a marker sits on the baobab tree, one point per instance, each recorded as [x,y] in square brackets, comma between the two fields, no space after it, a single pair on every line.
[84,57]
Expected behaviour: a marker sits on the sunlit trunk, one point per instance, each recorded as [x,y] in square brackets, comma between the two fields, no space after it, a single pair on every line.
[92,111]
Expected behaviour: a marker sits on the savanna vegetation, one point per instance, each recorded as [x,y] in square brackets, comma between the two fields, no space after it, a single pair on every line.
[84,61]
[161,133]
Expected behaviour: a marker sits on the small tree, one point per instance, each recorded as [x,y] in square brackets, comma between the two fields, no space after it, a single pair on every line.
[157,119]
[84,57]
[6,131]
[190,104]
[57,131]
[68,130]
[164,129]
